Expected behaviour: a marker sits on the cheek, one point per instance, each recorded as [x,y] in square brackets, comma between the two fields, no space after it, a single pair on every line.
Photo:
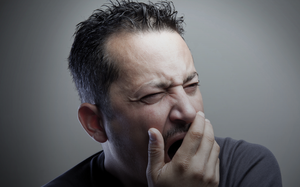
[133,124]
[155,116]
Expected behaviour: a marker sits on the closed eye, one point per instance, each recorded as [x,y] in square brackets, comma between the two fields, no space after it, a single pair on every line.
[194,84]
[191,88]
[152,98]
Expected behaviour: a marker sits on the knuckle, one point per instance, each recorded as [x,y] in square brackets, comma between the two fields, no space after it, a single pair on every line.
[195,135]
[183,166]
[210,138]
[198,175]
[153,151]
[211,180]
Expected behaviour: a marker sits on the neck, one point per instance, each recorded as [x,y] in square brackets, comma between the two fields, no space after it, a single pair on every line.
[127,175]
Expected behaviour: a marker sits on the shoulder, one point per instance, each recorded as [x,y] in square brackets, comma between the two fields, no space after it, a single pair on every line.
[80,175]
[247,164]
[242,149]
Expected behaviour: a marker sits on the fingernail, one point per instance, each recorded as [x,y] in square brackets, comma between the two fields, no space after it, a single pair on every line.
[151,136]
[207,120]
[201,113]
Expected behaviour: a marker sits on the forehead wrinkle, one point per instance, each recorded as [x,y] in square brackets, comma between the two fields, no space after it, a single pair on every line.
[161,84]
[167,84]
[139,71]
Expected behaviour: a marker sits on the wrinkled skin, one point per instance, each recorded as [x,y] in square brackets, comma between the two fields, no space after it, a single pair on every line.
[158,90]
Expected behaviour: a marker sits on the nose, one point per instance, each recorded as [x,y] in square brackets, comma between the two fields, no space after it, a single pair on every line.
[182,110]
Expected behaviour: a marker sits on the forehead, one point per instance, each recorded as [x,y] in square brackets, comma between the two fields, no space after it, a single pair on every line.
[151,56]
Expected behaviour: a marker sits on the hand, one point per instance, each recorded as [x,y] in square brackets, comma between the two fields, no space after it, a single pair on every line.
[195,163]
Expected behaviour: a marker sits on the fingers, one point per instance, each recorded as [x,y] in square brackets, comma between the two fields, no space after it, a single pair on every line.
[193,138]
[195,162]
[208,154]
[200,151]
[212,167]
[155,152]
[207,143]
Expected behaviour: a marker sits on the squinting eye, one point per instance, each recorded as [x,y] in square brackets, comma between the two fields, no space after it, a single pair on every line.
[194,85]
[191,88]
[152,98]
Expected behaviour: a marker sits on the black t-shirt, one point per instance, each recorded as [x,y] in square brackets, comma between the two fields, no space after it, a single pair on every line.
[241,164]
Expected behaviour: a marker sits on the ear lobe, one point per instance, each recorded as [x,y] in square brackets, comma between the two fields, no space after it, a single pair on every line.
[92,121]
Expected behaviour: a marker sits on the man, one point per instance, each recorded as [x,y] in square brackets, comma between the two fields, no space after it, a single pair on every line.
[140,99]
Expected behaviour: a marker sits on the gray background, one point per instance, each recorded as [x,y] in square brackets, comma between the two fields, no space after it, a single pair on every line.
[246,52]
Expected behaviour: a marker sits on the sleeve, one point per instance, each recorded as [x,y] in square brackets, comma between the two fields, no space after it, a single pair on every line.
[245,164]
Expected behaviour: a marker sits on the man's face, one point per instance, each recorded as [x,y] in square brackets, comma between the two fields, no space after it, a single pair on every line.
[157,87]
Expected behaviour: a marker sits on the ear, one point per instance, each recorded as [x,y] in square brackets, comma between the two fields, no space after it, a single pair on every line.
[91,120]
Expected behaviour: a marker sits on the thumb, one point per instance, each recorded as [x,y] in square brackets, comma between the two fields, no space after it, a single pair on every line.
[155,152]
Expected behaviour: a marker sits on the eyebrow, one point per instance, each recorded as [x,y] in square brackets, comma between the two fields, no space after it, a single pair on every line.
[190,77]
[166,85]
